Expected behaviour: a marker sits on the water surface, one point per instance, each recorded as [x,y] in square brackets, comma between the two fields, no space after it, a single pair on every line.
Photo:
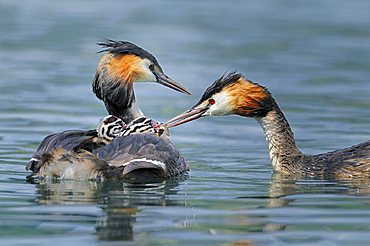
[314,58]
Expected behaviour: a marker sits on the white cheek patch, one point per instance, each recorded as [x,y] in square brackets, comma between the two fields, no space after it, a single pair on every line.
[221,106]
[146,73]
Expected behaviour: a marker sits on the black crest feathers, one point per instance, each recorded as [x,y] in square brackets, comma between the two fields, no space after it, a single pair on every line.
[219,84]
[124,48]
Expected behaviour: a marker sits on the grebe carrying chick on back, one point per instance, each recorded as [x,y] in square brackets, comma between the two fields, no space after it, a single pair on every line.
[123,64]
[234,94]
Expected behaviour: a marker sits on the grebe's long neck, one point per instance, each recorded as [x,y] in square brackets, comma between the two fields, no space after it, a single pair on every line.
[282,147]
[126,112]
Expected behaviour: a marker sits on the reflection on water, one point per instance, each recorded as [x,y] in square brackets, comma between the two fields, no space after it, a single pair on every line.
[119,202]
[284,185]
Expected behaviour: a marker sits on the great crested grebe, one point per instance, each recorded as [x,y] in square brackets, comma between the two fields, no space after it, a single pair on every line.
[134,151]
[234,94]
[123,64]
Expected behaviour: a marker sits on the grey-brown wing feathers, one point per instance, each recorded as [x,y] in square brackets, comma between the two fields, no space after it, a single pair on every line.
[144,148]
[134,157]
[346,163]
[66,140]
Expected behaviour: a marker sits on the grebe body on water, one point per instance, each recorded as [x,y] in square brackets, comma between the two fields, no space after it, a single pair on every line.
[123,64]
[137,151]
[234,94]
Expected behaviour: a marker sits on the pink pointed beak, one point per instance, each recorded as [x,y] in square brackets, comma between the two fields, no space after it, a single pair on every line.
[190,115]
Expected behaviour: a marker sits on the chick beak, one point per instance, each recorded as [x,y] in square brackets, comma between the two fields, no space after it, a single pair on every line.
[187,116]
[167,81]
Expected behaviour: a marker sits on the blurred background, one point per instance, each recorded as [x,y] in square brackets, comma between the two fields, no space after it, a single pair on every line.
[312,55]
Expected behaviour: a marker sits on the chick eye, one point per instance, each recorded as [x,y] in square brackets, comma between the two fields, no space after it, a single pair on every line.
[211,101]
[151,67]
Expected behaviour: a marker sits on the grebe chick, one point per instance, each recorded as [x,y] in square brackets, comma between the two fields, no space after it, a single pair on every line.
[234,94]
[133,152]
[110,127]
[144,125]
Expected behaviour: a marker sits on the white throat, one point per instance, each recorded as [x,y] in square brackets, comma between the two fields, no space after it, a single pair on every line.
[268,129]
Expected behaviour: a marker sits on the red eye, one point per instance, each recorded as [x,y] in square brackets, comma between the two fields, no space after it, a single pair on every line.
[211,101]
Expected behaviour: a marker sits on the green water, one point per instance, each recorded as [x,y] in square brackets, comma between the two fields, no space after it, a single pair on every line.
[312,55]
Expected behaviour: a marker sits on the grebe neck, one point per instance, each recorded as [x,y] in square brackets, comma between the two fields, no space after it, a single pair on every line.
[282,147]
[127,113]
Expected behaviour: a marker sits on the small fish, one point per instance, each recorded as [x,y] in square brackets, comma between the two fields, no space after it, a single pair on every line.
[164,129]
[161,128]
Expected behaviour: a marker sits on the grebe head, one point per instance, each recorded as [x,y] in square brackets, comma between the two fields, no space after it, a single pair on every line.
[125,63]
[110,127]
[230,94]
